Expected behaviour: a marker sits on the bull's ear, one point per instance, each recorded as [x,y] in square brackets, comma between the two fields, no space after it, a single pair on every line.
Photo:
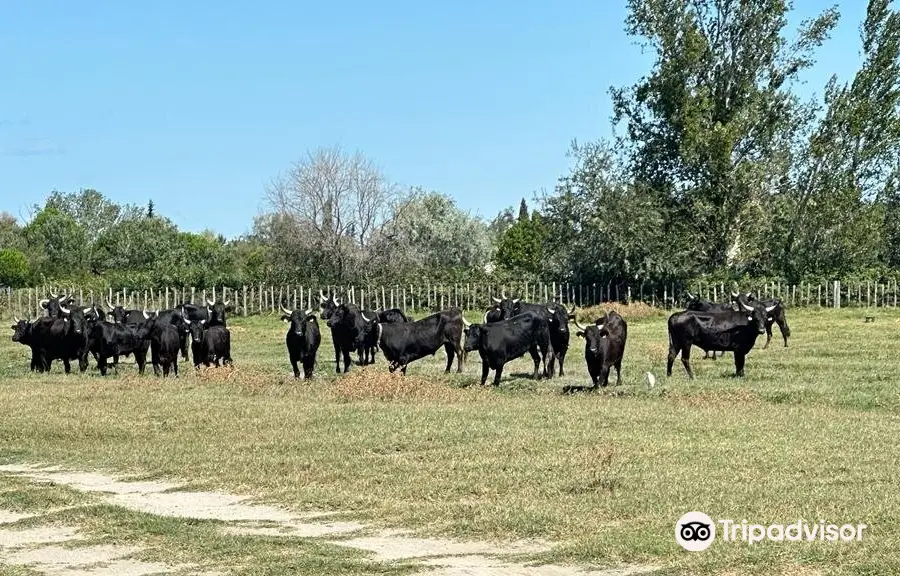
[750,318]
[285,318]
[580,333]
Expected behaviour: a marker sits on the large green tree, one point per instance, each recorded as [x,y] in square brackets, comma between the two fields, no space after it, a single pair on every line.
[706,126]
[843,196]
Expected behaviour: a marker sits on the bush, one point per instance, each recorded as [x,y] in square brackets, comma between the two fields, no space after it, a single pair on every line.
[14,269]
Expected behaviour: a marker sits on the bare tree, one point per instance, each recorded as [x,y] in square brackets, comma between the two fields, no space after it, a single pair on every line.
[343,199]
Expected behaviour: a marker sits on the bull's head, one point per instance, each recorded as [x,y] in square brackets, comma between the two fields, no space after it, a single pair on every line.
[757,314]
[298,319]
[592,334]
[197,328]
[328,305]
[559,317]
[216,311]
[504,305]
[21,330]
[473,333]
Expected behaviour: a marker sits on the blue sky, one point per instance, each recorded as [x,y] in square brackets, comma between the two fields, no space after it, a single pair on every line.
[199,104]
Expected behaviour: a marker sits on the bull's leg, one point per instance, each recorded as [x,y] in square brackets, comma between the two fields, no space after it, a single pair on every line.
[337,357]
[604,374]
[485,369]
[536,358]
[66,365]
[785,331]
[550,372]
[618,372]
[739,359]
[101,364]
[673,353]
[768,335]
[165,369]
[175,365]
[295,367]
[83,362]
[140,358]
[451,355]
[460,356]
[562,358]
[308,364]
[686,360]
[498,374]
[346,360]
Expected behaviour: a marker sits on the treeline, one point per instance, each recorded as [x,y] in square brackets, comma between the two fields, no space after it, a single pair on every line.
[721,172]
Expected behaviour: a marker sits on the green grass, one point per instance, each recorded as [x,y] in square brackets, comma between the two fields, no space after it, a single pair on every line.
[810,432]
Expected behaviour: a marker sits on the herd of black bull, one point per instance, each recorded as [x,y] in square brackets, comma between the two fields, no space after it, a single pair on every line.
[72,332]
[509,329]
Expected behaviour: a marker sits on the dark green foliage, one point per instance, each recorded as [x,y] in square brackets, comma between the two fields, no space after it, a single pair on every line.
[14,269]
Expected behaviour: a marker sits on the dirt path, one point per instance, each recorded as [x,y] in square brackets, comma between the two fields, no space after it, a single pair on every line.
[40,550]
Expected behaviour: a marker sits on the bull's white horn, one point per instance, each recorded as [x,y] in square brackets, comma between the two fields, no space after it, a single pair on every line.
[146,314]
[484,320]
[86,310]
[286,311]
[516,300]
[44,302]
[64,297]
[734,294]
[749,294]
[308,312]
[770,308]
[495,299]
[337,301]
[16,318]
[551,310]
[322,297]
[64,309]
[225,303]
[465,323]
[364,317]
[210,302]
[52,295]
[690,296]
[747,307]
[109,304]
[600,326]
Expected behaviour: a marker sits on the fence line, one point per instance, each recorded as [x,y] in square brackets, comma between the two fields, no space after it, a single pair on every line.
[261,299]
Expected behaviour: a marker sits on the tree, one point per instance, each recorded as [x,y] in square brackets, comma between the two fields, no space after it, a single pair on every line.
[58,243]
[91,210]
[10,232]
[523,211]
[705,127]
[842,194]
[340,199]
[601,228]
[150,209]
[522,248]
[431,238]
[14,268]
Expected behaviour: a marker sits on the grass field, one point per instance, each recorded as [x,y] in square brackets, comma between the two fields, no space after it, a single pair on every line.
[811,432]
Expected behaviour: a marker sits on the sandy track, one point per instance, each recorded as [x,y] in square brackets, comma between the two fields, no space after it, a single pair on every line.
[39,548]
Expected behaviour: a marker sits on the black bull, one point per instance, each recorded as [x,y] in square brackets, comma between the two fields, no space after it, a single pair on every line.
[719,331]
[405,342]
[506,340]
[557,317]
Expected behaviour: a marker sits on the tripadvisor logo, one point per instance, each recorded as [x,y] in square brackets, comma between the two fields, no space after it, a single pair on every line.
[695,531]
